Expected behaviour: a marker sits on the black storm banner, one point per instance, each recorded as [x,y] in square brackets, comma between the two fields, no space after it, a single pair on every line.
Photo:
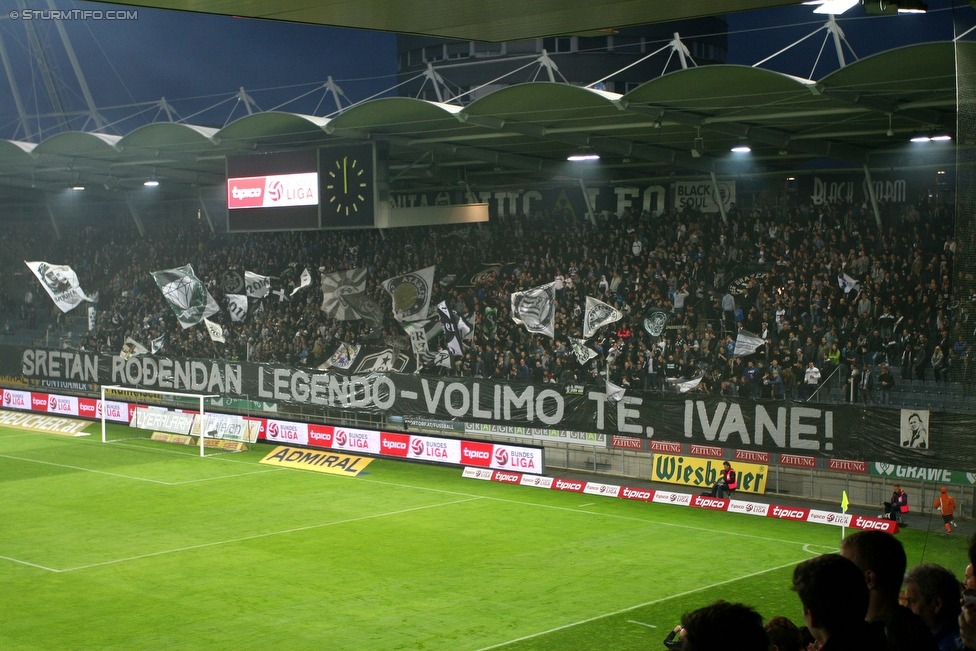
[903,436]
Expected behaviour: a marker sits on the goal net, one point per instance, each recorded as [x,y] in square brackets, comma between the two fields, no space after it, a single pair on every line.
[175,418]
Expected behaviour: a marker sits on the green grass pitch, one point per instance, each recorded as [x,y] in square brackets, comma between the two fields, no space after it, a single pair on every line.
[138,545]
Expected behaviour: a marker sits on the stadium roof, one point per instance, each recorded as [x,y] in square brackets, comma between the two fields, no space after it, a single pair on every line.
[475,20]
[862,114]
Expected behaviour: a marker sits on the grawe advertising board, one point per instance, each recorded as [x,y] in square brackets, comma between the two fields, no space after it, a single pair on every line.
[685,499]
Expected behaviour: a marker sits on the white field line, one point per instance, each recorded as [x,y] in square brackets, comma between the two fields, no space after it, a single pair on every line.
[98,472]
[242,538]
[631,621]
[646,603]
[139,448]
[17,560]
[240,474]
[154,481]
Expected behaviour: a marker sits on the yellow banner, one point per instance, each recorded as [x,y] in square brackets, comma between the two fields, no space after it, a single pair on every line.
[319,461]
[703,473]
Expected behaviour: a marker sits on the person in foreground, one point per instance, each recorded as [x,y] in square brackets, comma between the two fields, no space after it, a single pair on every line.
[722,626]
[967,618]
[932,593]
[881,557]
[835,602]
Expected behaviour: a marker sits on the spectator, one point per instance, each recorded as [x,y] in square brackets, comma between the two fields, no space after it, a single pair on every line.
[881,557]
[723,626]
[932,593]
[784,635]
[887,382]
[835,602]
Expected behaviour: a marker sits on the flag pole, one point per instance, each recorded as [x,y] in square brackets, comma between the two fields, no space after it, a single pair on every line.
[844,503]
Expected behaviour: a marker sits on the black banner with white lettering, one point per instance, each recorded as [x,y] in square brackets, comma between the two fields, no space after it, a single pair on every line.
[915,437]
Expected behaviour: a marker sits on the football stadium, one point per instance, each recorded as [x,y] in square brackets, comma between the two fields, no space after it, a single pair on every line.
[637,326]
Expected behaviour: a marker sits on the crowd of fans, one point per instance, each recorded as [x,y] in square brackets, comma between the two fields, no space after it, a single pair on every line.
[778,272]
[858,600]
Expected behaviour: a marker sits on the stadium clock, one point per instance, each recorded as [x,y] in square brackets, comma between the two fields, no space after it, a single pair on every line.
[347,186]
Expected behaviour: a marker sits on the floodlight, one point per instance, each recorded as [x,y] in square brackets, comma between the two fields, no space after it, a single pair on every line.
[581,157]
[151,183]
[921,139]
[742,149]
[912,7]
[78,188]
[835,7]
[942,138]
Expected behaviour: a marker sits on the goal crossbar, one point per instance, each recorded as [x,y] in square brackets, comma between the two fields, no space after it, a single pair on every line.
[197,396]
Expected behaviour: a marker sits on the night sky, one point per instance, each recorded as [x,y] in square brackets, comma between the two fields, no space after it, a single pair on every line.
[197,60]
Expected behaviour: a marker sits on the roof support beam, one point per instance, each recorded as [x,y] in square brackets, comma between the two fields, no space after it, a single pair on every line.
[925,116]
[134,211]
[599,143]
[501,159]
[775,137]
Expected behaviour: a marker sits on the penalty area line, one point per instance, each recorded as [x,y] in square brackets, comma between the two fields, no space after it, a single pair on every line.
[646,603]
[40,567]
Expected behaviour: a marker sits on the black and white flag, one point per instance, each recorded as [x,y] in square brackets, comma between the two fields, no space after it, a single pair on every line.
[747,343]
[411,294]
[654,321]
[614,393]
[847,283]
[157,344]
[92,318]
[215,331]
[452,331]
[535,309]
[441,358]
[256,285]
[597,315]
[420,333]
[336,286]
[61,284]
[237,306]
[186,295]
[684,386]
[343,357]
[306,281]
[364,308]
[132,348]
[581,350]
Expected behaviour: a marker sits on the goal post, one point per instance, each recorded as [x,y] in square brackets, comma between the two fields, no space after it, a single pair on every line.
[197,399]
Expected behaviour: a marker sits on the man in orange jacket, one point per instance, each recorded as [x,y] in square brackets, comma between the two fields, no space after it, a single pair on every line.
[947,506]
